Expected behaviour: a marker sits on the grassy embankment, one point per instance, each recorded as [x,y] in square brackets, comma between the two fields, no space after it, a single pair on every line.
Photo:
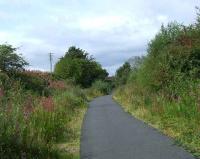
[164,90]
[40,117]
[179,120]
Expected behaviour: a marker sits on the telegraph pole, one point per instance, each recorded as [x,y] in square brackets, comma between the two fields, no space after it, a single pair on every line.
[50,60]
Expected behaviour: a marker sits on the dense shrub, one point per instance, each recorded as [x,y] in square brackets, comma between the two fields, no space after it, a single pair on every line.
[172,56]
[79,67]
[36,84]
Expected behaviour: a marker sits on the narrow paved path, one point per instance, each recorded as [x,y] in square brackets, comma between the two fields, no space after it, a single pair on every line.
[110,133]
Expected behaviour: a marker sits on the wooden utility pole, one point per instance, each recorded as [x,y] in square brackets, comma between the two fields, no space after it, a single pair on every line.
[51,60]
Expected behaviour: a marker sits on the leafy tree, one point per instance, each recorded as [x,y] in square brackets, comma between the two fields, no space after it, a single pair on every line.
[77,53]
[9,60]
[79,67]
[122,74]
[198,17]
[136,62]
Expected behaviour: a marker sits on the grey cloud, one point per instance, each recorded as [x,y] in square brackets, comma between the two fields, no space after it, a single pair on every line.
[44,26]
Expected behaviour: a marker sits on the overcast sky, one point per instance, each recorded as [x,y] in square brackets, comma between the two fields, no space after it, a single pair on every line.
[110,30]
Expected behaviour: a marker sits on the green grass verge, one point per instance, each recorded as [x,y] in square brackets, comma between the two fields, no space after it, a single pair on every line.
[177,119]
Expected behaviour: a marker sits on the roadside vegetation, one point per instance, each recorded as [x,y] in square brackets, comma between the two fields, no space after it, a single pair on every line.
[98,88]
[41,113]
[163,87]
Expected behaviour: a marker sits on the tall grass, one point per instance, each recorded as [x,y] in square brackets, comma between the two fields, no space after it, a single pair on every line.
[32,126]
[178,118]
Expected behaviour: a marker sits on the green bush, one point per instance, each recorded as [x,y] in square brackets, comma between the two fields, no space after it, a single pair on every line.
[35,84]
[102,87]
[172,56]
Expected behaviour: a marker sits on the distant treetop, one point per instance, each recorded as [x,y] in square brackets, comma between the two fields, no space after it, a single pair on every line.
[79,67]
[9,60]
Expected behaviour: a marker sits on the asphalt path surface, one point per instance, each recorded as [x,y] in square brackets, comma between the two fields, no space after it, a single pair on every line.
[110,133]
